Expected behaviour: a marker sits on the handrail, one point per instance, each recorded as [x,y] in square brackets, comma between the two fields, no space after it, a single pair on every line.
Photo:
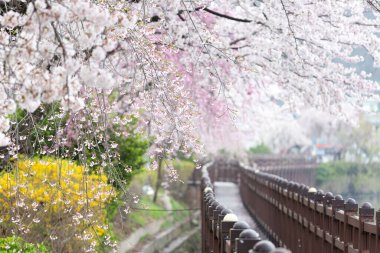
[296,216]
[318,222]
[221,230]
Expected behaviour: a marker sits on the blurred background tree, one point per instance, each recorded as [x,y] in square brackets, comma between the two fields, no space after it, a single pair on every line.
[260,149]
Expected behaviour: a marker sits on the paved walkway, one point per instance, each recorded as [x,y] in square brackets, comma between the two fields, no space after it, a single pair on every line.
[129,243]
[228,195]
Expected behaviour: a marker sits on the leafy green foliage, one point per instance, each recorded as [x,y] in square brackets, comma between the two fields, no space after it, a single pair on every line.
[38,127]
[156,211]
[112,208]
[184,169]
[132,150]
[139,218]
[181,215]
[326,171]
[260,149]
[36,130]
[363,141]
[348,177]
[16,244]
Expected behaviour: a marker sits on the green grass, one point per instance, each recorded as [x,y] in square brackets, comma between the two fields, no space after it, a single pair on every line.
[144,238]
[166,225]
[179,215]
[140,218]
[260,149]
[143,217]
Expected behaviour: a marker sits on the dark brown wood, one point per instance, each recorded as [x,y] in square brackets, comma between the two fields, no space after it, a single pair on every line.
[291,217]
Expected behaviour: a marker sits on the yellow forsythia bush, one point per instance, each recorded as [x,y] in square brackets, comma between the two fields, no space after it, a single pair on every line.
[56,202]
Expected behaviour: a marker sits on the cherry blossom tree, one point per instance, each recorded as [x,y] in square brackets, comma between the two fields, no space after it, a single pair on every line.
[225,52]
[284,56]
[185,68]
[100,65]
[240,58]
[60,51]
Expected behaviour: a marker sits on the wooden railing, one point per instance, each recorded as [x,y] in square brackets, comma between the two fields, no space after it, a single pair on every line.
[294,216]
[221,230]
[296,168]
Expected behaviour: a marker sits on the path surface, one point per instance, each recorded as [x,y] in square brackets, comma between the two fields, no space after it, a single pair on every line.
[134,238]
[174,245]
[228,195]
[131,242]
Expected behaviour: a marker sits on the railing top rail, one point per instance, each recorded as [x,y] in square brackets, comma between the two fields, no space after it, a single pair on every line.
[338,223]
[225,227]
[316,197]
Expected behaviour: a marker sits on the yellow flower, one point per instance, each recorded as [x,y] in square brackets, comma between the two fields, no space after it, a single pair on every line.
[59,193]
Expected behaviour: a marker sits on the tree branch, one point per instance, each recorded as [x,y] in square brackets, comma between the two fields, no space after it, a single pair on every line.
[58,37]
[214,13]
[374,4]
[290,27]
[226,16]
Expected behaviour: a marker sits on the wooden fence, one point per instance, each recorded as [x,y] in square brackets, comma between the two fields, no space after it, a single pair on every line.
[221,230]
[294,216]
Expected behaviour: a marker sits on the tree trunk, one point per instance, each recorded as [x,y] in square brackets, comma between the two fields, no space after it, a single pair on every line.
[158,183]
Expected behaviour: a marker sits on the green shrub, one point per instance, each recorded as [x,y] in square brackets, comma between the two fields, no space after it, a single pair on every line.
[132,150]
[38,127]
[16,244]
[260,149]
[348,177]
[184,170]
[41,127]
[328,171]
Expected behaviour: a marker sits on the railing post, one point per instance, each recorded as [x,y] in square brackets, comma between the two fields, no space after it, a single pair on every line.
[264,246]
[319,222]
[210,218]
[304,222]
[366,214]
[350,209]
[234,233]
[246,240]
[215,218]
[310,219]
[209,198]
[299,221]
[327,227]
[337,227]
[378,231]
[227,223]
[207,195]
